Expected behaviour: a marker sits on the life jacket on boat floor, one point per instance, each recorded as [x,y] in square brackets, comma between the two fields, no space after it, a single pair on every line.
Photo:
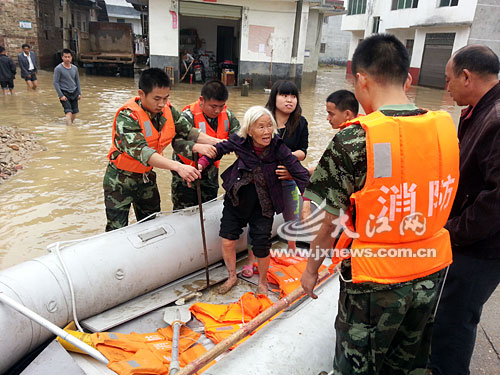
[286,273]
[221,321]
[146,353]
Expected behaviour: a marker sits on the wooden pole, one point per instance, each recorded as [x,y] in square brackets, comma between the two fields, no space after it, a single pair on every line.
[202,222]
[247,329]
[187,71]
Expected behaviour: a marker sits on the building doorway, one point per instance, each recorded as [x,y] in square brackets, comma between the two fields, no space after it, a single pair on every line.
[437,52]
[210,36]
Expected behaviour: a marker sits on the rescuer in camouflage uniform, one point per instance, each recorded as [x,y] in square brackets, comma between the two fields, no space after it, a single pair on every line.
[380,328]
[212,101]
[122,187]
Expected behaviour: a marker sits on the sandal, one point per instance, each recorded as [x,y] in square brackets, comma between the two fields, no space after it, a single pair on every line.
[247,271]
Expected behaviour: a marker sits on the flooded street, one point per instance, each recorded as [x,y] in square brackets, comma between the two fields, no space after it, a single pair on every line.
[58,196]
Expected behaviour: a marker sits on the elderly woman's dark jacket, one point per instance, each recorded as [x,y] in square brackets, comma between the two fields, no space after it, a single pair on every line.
[277,153]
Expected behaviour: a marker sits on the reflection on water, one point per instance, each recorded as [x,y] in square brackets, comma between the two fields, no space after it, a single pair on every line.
[59,194]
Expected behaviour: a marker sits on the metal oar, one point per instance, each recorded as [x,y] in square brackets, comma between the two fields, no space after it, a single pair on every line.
[175,316]
[53,328]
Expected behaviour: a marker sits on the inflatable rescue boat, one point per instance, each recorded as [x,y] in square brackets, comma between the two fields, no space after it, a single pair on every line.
[121,281]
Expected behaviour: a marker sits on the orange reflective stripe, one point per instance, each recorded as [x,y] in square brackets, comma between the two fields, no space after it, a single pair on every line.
[200,122]
[155,140]
[412,178]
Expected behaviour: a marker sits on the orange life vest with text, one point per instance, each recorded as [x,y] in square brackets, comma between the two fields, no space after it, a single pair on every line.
[200,122]
[156,140]
[412,179]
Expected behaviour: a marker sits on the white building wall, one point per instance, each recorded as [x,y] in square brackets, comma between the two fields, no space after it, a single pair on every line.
[266,35]
[336,42]
[427,15]
[485,28]
[164,39]
[278,18]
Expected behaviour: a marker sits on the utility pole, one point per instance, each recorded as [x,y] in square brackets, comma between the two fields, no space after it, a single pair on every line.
[66,16]
[295,43]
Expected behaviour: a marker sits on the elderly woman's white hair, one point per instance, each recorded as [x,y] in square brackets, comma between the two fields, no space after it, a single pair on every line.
[251,116]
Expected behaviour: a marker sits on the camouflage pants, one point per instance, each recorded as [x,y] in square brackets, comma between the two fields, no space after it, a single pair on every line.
[184,196]
[122,189]
[386,332]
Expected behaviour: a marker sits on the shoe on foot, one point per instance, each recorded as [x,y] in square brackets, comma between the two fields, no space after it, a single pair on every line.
[247,271]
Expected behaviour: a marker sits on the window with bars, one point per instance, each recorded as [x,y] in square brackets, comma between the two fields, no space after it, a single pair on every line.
[403,4]
[356,7]
[322,48]
[448,3]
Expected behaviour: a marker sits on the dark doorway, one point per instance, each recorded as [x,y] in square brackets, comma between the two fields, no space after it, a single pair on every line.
[225,43]
[437,51]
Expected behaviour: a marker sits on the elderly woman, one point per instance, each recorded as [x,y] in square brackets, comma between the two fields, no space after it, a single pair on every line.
[253,191]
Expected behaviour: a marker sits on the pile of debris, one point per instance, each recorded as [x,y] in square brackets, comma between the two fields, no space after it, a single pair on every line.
[16,148]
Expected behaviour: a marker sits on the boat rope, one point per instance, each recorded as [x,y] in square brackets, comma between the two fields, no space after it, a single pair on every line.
[72,291]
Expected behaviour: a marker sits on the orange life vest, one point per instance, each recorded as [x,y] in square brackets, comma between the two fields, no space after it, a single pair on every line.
[146,353]
[412,179]
[200,122]
[156,140]
[221,321]
[286,273]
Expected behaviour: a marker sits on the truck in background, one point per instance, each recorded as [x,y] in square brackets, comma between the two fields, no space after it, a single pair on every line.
[108,48]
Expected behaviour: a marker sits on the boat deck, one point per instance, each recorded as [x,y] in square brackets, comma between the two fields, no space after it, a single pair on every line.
[285,345]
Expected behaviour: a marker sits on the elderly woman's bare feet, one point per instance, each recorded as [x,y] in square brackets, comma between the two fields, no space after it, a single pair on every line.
[227,286]
[262,289]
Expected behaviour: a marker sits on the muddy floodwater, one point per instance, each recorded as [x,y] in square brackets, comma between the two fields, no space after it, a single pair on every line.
[58,196]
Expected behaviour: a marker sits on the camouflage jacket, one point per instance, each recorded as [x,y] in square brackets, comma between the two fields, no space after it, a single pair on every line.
[184,146]
[129,137]
[342,171]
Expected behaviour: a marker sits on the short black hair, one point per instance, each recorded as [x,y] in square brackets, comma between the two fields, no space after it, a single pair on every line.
[344,100]
[476,58]
[384,57]
[66,50]
[214,89]
[153,77]
[2,48]
[283,87]
[25,45]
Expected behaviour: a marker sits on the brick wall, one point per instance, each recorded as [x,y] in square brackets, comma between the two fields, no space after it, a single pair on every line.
[45,36]
[11,12]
